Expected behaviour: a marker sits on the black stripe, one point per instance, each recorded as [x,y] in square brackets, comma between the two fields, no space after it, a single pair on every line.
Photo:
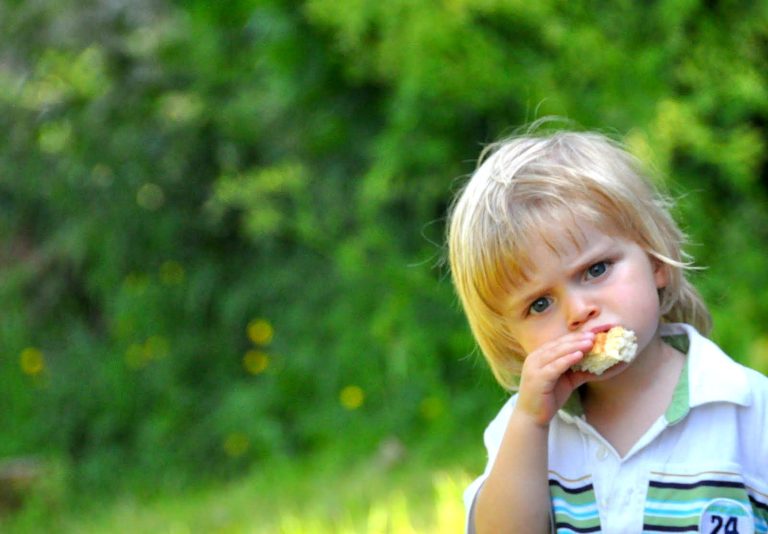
[560,525]
[758,504]
[712,483]
[572,491]
[663,528]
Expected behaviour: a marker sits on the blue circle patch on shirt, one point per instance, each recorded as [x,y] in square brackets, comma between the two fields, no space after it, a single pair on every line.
[726,516]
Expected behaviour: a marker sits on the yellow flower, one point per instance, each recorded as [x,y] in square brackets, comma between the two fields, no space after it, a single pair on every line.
[31,361]
[136,283]
[352,397]
[150,196]
[156,347]
[260,331]
[236,444]
[136,356]
[255,362]
[431,408]
[172,273]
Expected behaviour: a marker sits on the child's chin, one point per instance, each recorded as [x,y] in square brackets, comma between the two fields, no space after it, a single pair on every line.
[608,373]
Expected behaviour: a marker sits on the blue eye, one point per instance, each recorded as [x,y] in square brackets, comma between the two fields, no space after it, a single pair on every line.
[597,269]
[539,305]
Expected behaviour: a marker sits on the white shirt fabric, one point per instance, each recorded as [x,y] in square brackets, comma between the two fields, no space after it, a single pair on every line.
[701,467]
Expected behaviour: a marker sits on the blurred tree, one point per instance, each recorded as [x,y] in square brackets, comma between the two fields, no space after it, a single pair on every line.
[222,222]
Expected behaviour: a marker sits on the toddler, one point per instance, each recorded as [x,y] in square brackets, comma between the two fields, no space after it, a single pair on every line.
[555,238]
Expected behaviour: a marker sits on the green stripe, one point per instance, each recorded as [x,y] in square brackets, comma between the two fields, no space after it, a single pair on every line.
[669,521]
[760,512]
[693,494]
[577,499]
[584,498]
[684,498]
[573,405]
[681,403]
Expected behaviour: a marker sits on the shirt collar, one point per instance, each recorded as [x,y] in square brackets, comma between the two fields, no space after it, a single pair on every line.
[708,375]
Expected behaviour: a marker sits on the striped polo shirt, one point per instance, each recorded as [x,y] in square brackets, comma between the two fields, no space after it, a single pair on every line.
[701,467]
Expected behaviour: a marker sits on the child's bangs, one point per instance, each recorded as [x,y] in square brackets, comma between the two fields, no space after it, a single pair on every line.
[555,224]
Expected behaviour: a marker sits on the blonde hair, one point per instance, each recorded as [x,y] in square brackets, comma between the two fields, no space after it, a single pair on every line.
[525,187]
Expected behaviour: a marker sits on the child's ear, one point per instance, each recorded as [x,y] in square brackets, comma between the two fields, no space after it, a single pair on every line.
[660,273]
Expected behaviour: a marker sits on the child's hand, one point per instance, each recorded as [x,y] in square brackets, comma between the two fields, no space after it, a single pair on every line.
[547,381]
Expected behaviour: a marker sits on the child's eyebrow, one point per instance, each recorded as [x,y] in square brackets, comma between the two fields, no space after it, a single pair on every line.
[595,254]
[527,292]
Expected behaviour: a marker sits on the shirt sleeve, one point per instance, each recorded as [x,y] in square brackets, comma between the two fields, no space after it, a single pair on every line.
[492,439]
[754,437]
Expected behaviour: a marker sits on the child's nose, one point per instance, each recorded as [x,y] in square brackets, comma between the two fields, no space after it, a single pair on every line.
[581,311]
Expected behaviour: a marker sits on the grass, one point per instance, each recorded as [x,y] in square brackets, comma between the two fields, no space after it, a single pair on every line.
[320,496]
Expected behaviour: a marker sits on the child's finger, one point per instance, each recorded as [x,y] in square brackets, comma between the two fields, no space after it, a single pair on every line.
[560,347]
[562,364]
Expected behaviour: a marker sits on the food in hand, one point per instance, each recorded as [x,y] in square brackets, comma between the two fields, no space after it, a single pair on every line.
[616,345]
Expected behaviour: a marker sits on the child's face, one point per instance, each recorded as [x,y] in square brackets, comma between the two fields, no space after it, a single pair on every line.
[593,284]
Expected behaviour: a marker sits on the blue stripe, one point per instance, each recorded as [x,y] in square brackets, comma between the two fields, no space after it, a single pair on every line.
[576,515]
[675,508]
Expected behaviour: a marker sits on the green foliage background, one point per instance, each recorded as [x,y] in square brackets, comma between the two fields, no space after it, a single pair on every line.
[173,172]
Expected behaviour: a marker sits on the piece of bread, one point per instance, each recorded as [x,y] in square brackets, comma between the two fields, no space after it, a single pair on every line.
[616,345]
